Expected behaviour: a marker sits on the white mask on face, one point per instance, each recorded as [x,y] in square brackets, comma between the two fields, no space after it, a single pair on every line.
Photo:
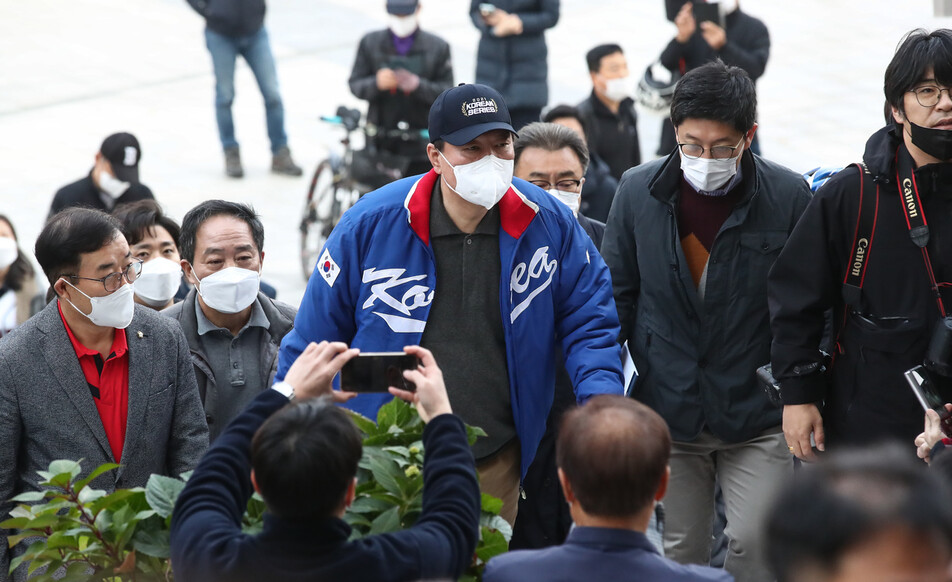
[230,290]
[728,6]
[483,182]
[113,310]
[707,175]
[159,281]
[8,252]
[571,199]
[111,185]
[618,89]
[402,26]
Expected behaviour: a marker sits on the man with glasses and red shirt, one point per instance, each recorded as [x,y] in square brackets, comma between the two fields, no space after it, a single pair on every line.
[689,241]
[94,376]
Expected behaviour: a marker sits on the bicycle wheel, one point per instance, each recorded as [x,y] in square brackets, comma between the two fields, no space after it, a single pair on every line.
[321,213]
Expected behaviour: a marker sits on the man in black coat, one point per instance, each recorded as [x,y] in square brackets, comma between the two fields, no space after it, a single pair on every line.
[400,71]
[882,326]
[689,242]
[113,180]
[738,39]
[302,458]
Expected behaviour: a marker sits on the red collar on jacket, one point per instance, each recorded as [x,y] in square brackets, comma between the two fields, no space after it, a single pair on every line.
[515,210]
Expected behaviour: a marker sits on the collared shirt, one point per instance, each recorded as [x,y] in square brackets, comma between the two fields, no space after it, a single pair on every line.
[235,361]
[464,329]
[108,382]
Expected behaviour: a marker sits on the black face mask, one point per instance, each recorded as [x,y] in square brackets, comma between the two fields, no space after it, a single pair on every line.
[935,142]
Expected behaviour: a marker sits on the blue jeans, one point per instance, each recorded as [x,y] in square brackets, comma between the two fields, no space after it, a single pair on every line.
[256,50]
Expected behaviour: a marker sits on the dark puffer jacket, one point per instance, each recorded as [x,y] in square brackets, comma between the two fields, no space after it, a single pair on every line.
[866,396]
[516,66]
[233,18]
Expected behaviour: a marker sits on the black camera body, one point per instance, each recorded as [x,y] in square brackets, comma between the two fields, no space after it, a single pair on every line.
[938,359]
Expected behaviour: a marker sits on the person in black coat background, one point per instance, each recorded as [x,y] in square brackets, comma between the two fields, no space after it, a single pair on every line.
[400,71]
[512,52]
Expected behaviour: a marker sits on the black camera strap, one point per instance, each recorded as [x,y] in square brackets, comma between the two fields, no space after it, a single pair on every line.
[862,237]
[915,217]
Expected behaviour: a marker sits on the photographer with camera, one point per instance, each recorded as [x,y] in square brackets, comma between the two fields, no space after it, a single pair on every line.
[865,250]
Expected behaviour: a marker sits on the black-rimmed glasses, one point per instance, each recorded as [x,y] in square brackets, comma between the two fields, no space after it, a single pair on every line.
[695,151]
[113,281]
[929,95]
[564,185]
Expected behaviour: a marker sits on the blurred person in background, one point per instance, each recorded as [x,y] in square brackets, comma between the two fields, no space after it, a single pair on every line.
[233,28]
[742,41]
[113,180]
[609,112]
[233,329]
[400,71]
[512,54]
[153,238]
[600,185]
[17,279]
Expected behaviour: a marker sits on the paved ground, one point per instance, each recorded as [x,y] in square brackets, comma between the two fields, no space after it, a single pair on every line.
[71,72]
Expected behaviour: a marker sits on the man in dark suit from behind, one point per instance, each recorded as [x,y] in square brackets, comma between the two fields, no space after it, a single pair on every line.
[93,376]
[612,455]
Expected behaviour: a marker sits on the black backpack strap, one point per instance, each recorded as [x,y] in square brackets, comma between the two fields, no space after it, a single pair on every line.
[862,237]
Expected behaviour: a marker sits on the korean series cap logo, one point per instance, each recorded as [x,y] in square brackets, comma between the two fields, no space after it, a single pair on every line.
[479,106]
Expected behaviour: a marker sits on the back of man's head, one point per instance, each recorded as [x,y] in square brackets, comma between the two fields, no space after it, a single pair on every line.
[614,452]
[718,93]
[918,52]
[304,458]
[140,218]
[594,57]
[70,233]
[196,217]
[551,138]
[850,499]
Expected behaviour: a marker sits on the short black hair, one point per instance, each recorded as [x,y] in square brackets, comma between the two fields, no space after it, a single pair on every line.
[550,137]
[196,217]
[140,218]
[21,269]
[848,498]
[614,452]
[70,233]
[561,112]
[304,457]
[594,57]
[918,51]
[716,92]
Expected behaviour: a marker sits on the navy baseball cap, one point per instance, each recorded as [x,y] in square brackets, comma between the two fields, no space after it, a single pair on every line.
[401,7]
[463,113]
[123,152]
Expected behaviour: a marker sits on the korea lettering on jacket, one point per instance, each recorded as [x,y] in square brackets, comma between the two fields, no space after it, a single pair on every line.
[375,281]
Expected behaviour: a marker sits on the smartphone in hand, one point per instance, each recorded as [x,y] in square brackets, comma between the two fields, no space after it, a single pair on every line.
[377,371]
[485,8]
[707,12]
[928,396]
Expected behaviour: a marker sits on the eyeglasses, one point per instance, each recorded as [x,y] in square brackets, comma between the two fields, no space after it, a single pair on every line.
[695,151]
[564,185]
[929,95]
[113,281]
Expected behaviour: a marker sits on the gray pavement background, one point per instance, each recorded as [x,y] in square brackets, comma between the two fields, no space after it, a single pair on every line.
[74,71]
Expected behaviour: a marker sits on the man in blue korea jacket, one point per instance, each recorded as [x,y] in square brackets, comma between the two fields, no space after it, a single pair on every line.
[490,273]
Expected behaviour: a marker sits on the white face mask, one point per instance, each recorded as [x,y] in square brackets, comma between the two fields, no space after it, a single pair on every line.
[728,6]
[707,175]
[111,185]
[159,281]
[8,252]
[483,182]
[230,290]
[618,89]
[402,26]
[113,310]
[571,199]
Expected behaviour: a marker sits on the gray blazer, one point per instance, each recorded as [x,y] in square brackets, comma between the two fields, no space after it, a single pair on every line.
[47,412]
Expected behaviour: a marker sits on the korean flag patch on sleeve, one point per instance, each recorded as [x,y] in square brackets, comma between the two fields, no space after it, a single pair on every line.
[328,268]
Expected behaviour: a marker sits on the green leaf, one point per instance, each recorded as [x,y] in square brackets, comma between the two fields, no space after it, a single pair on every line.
[395,413]
[28,496]
[88,495]
[118,496]
[388,475]
[186,476]
[60,540]
[152,541]
[474,432]
[496,523]
[15,523]
[491,543]
[388,521]
[60,467]
[369,505]
[366,426]
[402,451]
[491,504]
[161,493]
[21,511]
[82,483]
[41,522]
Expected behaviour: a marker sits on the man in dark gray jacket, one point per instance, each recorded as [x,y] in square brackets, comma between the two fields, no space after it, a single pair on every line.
[689,241]
[400,71]
[233,330]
